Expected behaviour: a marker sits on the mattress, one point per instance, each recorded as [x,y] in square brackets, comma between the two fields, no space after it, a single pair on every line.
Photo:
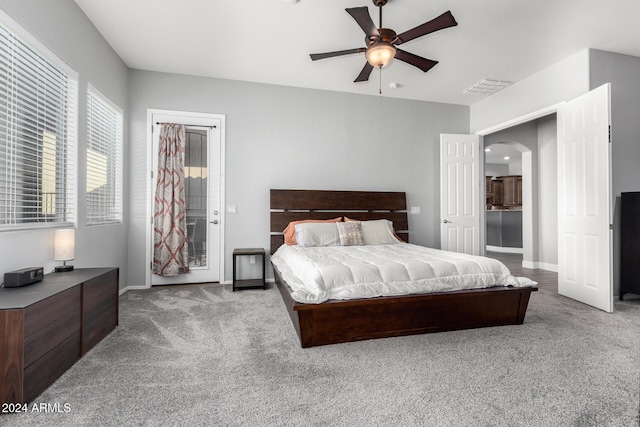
[318,274]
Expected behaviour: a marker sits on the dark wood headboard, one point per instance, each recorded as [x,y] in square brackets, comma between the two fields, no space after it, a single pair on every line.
[293,205]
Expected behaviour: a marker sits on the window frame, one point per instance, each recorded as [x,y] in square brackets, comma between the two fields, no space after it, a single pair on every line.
[118,202]
[72,107]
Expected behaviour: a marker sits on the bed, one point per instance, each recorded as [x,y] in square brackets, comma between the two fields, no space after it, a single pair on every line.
[336,320]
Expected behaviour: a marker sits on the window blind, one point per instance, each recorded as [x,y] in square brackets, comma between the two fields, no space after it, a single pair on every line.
[104,160]
[37,136]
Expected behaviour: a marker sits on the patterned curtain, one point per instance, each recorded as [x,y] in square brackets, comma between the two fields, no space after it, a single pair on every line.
[170,247]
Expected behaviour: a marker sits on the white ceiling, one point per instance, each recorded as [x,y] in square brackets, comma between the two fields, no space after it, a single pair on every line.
[269,41]
[499,152]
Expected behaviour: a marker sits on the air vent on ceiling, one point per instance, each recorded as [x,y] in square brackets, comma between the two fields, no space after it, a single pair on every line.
[486,87]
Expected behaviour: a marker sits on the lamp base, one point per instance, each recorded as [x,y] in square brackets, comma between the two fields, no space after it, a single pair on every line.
[63,268]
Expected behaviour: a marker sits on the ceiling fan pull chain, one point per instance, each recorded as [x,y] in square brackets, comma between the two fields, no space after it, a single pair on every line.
[380,80]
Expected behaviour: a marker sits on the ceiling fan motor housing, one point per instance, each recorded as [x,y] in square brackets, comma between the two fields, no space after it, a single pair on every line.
[379,3]
[386,35]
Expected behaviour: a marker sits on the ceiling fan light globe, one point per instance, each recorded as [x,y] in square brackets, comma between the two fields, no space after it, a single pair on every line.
[380,54]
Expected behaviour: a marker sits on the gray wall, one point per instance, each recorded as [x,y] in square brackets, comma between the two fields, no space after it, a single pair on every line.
[496,169]
[62,27]
[284,137]
[515,168]
[547,190]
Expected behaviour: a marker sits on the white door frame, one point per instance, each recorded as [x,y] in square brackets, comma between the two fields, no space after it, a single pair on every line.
[150,184]
[522,119]
[527,216]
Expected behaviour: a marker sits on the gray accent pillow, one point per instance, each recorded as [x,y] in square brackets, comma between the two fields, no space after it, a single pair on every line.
[350,233]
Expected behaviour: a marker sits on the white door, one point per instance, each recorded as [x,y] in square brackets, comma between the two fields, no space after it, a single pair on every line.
[584,200]
[202,194]
[461,190]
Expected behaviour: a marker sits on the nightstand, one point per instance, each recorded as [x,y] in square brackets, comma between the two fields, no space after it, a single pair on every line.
[248,283]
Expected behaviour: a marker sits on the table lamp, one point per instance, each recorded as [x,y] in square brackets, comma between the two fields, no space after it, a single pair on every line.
[63,248]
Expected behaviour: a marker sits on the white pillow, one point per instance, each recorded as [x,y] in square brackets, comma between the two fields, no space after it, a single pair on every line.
[317,234]
[378,232]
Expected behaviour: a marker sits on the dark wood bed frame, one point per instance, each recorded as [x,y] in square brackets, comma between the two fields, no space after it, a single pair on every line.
[338,321]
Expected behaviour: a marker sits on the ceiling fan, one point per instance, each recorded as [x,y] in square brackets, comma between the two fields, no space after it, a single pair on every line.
[381,42]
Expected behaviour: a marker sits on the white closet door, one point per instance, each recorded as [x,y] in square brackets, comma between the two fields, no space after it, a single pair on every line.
[584,200]
[460,193]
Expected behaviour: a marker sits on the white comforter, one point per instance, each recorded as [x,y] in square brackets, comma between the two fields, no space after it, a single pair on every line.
[318,274]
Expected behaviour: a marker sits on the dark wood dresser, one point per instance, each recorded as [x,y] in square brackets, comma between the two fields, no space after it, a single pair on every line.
[47,326]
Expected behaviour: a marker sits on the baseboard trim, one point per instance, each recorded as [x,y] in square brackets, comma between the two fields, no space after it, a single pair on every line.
[540,266]
[548,267]
[504,250]
[131,288]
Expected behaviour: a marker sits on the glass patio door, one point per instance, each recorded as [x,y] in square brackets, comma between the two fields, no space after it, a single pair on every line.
[202,196]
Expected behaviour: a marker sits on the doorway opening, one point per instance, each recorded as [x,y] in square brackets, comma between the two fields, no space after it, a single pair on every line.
[521,195]
[503,166]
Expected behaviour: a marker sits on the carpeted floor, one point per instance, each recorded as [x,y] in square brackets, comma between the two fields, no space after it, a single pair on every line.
[202,355]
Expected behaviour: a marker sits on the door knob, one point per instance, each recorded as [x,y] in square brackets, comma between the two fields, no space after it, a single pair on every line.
[446,221]
[215,221]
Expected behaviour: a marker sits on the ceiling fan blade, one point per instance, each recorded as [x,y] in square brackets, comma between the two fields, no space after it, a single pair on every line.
[365,73]
[417,61]
[362,17]
[445,20]
[316,56]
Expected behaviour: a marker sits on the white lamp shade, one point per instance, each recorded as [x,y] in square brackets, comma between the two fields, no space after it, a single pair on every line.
[64,244]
